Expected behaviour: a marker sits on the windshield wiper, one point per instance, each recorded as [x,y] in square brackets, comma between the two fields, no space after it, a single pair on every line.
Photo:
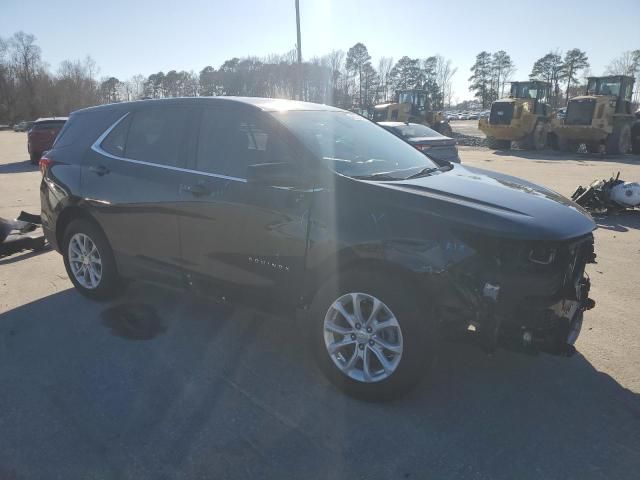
[429,170]
[376,176]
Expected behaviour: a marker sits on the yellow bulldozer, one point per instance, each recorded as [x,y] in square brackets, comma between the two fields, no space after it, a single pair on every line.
[412,106]
[523,117]
[601,117]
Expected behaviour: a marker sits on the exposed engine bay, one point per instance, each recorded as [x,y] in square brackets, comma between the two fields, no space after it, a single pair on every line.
[525,296]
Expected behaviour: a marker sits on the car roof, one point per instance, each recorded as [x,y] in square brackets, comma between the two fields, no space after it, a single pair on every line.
[264,104]
[51,119]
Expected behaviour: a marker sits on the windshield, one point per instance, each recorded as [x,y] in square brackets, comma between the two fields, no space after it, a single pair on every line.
[352,145]
[524,90]
[603,86]
[414,130]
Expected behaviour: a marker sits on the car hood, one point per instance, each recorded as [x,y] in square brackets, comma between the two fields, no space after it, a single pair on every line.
[496,204]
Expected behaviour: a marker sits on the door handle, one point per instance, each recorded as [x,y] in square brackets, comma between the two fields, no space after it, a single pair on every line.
[99,170]
[196,190]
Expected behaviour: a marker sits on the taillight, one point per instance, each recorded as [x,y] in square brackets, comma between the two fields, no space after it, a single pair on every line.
[45,162]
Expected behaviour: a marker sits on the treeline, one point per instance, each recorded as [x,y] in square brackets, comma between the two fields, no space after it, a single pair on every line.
[28,89]
[565,74]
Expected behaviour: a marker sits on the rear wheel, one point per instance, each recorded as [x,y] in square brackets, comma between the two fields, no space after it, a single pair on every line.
[370,336]
[89,260]
[537,139]
[593,147]
[498,144]
[566,145]
[444,129]
[35,158]
[635,138]
[619,141]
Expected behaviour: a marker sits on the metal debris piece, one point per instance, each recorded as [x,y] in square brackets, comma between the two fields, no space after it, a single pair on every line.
[608,196]
[23,233]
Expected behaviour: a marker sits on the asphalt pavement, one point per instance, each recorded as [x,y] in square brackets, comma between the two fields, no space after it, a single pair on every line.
[162,384]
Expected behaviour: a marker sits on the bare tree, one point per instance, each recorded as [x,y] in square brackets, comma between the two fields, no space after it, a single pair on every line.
[26,58]
[574,61]
[385,64]
[444,72]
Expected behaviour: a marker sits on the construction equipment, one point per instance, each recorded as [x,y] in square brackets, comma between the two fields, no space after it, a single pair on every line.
[412,106]
[524,117]
[601,117]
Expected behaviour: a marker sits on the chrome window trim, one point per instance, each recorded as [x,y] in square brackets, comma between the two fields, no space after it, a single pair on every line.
[97,147]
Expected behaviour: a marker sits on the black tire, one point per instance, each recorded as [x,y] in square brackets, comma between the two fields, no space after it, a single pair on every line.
[108,285]
[619,141]
[498,144]
[416,326]
[537,139]
[593,147]
[35,158]
[635,138]
[444,128]
[566,145]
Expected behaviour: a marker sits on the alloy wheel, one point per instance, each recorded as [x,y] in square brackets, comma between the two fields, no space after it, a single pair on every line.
[85,261]
[363,337]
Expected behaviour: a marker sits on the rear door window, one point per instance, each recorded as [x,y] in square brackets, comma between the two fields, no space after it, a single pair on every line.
[229,141]
[158,135]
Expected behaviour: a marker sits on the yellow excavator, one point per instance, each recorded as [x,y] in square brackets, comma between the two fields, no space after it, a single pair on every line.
[412,106]
[524,117]
[601,117]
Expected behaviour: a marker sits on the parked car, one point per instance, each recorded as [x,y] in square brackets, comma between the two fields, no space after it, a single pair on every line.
[433,144]
[462,116]
[284,204]
[42,135]
[22,126]
[472,116]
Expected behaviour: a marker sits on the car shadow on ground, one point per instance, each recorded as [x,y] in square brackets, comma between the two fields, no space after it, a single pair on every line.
[552,155]
[18,167]
[619,222]
[216,390]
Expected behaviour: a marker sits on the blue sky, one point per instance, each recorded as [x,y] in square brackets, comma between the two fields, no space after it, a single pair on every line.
[126,37]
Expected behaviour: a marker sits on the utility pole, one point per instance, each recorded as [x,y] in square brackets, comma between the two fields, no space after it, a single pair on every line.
[299,46]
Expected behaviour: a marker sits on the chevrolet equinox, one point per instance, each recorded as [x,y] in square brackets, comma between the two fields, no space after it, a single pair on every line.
[309,207]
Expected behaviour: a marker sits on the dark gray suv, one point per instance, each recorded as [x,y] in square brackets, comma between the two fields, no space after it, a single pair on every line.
[290,205]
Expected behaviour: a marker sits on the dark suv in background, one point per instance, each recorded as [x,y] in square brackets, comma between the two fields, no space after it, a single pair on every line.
[41,136]
[294,205]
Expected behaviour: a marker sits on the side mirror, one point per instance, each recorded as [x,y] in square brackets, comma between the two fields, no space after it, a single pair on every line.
[278,174]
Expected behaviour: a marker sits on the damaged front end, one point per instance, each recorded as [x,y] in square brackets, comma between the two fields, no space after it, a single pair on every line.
[521,295]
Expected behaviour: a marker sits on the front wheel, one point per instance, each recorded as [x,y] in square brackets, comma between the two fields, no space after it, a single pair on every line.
[619,141]
[370,336]
[444,128]
[89,260]
[498,144]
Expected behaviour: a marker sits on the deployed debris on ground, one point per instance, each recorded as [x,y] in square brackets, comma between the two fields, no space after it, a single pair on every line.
[469,140]
[23,233]
[608,196]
